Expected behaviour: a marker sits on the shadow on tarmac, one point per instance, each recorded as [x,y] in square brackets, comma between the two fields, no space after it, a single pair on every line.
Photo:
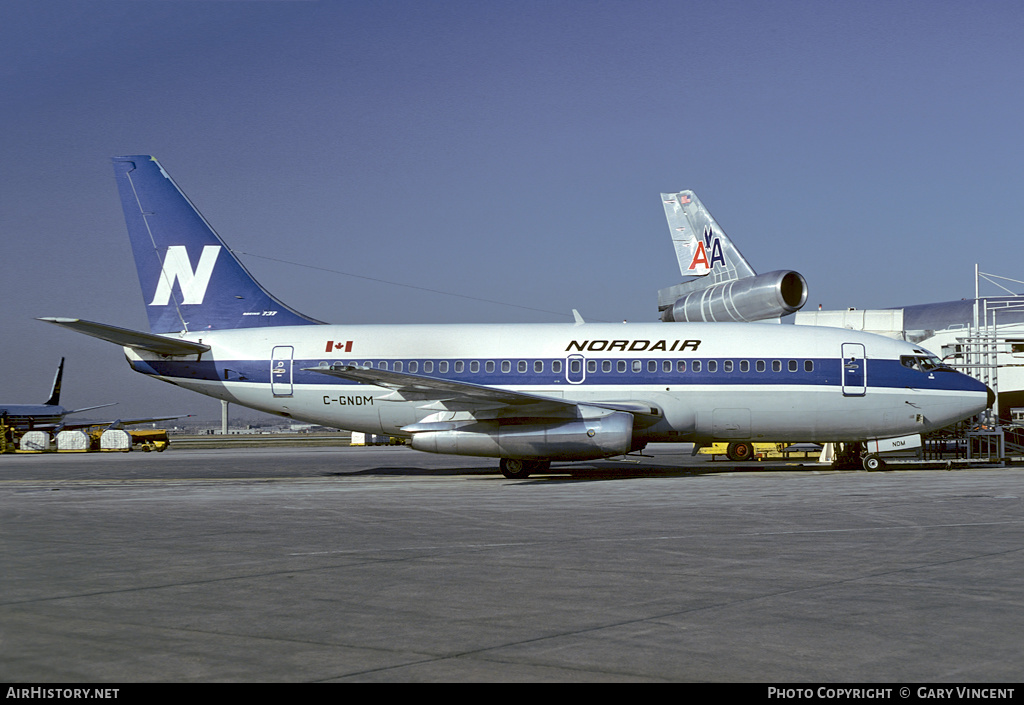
[584,473]
[563,473]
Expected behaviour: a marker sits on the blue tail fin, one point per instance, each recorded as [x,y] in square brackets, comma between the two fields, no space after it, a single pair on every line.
[190,280]
[54,399]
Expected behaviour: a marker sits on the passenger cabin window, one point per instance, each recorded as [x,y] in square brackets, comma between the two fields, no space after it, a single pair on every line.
[398,365]
[575,366]
[760,366]
[652,365]
[506,366]
[414,366]
[620,365]
[442,366]
[428,366]
[666,366]
[489,366]
[727,366]
[808,365]
[459,366]
[591,365]
[793,366]
[776,366]
[556,366]
[695,365]
[538,366]
[744,365]
[681,366]
[712,365]
[606,365]
[637,365]
[474,366]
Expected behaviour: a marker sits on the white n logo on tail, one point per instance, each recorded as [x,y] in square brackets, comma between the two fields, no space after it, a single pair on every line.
[178,267]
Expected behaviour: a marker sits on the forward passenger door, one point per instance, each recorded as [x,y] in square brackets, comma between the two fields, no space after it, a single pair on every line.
[855,371]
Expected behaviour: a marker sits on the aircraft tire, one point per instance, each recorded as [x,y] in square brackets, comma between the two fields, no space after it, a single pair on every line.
[872,462]
[515,469]
[738,452]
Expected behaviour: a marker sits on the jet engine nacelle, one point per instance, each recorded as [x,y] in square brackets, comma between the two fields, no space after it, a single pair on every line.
[579,439]
[756,298]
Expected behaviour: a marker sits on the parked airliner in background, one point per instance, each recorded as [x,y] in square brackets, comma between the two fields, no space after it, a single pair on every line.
[50,415]
[719,285]
[527,394]
[46,416]
[723,286]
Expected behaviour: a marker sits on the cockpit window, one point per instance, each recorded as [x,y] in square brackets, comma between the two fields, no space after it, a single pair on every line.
[921,363]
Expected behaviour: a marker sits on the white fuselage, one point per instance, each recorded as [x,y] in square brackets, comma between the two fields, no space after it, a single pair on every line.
[718,381]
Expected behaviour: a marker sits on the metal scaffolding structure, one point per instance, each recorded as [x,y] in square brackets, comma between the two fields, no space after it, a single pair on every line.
[981,353]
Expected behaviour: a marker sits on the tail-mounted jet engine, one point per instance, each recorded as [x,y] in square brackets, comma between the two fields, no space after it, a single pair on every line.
[756,298]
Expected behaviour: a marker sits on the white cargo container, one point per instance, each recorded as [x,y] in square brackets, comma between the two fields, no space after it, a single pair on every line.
[73,441]
[35,441]
[115,439]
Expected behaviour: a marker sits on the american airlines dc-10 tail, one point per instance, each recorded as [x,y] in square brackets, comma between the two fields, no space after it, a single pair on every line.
[720,285]
[528,394]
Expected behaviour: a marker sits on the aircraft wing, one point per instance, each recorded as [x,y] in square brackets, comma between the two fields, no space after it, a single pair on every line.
[444,394]
[118,423]
[130,338]
[90,408]
[115,424]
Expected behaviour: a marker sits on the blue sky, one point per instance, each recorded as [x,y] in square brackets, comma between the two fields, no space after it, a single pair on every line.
[500,151]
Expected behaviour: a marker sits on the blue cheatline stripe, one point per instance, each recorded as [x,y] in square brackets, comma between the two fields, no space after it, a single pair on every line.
[825,372]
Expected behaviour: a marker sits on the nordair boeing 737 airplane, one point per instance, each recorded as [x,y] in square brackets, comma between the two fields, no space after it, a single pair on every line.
[528,394]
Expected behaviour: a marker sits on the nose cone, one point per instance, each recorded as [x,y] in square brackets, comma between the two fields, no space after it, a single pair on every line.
[966,397]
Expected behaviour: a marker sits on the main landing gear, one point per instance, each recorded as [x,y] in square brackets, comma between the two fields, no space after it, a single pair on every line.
[739,452]
[516,469]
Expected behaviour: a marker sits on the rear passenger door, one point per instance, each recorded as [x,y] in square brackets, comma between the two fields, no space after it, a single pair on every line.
[281,370]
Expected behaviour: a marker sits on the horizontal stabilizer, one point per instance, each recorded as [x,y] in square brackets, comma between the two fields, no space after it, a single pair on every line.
[130,338]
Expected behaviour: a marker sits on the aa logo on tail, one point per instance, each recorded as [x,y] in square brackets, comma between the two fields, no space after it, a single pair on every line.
[177,267]
[701,263]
